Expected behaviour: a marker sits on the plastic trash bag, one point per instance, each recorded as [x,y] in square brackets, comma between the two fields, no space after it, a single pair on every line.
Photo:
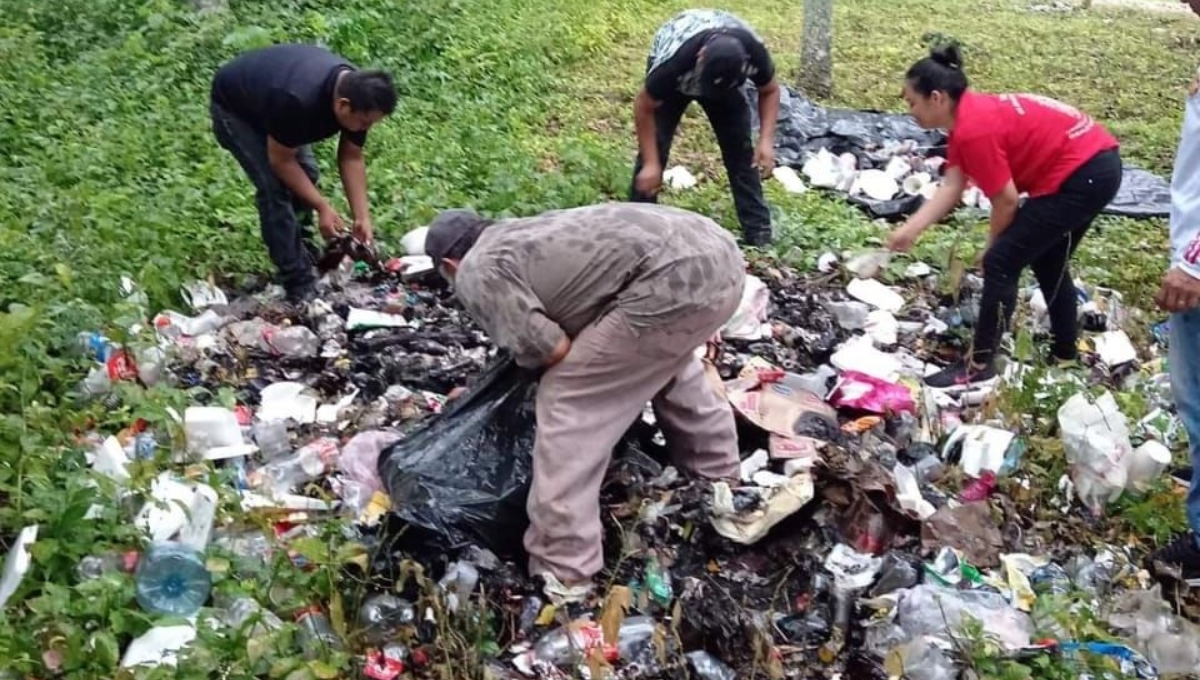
[941,612]
[1096,442]
[463,476]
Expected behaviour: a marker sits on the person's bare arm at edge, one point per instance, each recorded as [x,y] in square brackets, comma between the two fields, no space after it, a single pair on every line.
[1004,210]
[353,170]
[649,178]
[768,114]
[288,170]
[930,213]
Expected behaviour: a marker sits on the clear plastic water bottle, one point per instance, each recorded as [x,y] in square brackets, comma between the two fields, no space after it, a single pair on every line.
[316,635]
[245,610]
[96,566]
[172,580]
[272,438]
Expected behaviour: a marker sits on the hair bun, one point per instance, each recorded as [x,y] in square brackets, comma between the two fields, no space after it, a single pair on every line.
[947,55]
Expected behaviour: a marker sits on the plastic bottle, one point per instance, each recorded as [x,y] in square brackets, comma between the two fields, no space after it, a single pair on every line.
[95,345]
[272,438]
[816,381]
[529,614]
[243,609]
[559,647]
[708,667]
[286,474]
[172,580]
[458,582]
[95,566]
[315,635]
[151,365]
[382,616]
[658,582]
[145,444]
[850,314]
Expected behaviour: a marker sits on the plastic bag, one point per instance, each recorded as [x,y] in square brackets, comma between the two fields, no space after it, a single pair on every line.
[359,464]
[932,610]
[749,322]
[1096,441]
[463,476]
[860,391]
[868,263]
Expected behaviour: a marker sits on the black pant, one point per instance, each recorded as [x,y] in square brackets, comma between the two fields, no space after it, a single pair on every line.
[730,119]
[284,219]
[1044,234]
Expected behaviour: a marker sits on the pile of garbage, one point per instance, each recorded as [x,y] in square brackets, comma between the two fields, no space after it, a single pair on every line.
[879,527]
[888,165]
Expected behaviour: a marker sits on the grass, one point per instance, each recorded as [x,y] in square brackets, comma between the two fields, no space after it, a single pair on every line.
[511,107]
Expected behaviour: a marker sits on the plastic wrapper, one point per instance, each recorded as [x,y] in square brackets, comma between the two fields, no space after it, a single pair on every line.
[860,391]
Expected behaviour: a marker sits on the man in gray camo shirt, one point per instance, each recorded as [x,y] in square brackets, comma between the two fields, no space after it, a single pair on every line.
[612,302]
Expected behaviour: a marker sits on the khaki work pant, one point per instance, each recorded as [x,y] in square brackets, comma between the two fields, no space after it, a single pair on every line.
[585,404]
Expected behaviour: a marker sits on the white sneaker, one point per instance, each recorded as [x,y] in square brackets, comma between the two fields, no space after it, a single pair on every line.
[560,594]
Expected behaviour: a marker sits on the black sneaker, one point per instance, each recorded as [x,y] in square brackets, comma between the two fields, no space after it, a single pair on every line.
[759,239]
[302,295]
[1180,559]
[960,375]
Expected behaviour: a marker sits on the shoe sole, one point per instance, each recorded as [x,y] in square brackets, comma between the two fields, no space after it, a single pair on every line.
[957,390]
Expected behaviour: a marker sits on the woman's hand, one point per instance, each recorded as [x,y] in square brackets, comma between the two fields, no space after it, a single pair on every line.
[902,239]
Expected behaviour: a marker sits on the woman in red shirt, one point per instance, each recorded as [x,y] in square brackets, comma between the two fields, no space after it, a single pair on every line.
[1010,144]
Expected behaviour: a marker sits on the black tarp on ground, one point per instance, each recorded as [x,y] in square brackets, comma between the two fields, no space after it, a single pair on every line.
[805,126]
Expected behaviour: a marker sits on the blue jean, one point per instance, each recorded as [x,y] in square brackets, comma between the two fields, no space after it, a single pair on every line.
[284,219]
[1185,385]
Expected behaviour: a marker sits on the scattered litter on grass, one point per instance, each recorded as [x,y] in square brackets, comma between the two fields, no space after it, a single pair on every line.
[876,522]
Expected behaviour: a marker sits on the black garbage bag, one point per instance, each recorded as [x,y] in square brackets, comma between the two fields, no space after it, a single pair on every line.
[893,210]
[462,476]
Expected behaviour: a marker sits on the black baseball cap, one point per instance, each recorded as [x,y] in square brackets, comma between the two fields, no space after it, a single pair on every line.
[723,65]
[448,231]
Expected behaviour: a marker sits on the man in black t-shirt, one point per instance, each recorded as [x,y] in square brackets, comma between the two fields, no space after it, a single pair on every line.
[268,106]
[707,56]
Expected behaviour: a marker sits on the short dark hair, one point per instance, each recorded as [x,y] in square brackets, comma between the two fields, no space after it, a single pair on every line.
[941,70]
[368,91]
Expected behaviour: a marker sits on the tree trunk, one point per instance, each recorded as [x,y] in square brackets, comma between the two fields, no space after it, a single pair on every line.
[816,49]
